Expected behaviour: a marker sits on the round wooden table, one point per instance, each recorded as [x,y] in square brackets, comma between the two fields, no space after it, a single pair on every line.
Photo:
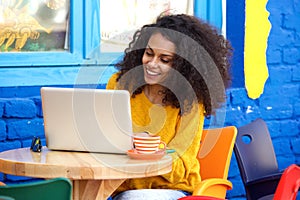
[94,175]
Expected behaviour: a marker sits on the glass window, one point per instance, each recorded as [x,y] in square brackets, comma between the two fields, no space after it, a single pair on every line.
[131,15]
[34,25]
[73,31]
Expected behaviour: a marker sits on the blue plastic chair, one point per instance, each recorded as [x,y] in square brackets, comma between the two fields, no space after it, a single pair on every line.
[256,160]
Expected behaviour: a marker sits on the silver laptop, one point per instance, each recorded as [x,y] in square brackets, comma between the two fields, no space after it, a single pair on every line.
[92,120]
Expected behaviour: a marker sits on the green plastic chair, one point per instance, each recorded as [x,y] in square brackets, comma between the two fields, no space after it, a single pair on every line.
[6,198]
[56,188]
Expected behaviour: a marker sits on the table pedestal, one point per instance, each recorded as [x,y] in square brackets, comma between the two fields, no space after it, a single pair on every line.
[94,189]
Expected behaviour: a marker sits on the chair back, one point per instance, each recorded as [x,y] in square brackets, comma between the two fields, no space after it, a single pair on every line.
[289,184]
[56,188]
[254,151]
[216,151]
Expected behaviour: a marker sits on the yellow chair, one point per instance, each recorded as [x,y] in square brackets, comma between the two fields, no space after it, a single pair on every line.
[214,157]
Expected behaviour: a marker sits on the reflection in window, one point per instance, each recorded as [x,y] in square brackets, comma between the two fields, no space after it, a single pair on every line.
[120,18]
[33,25]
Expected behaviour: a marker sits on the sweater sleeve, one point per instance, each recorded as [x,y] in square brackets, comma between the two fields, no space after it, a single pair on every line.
[185,169]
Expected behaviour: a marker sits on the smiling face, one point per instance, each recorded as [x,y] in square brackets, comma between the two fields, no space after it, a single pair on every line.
[157,59]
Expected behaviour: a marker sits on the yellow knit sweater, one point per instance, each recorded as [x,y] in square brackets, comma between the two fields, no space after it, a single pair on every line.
[181,133]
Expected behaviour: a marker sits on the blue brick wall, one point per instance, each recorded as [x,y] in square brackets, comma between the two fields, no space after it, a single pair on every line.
[279,105]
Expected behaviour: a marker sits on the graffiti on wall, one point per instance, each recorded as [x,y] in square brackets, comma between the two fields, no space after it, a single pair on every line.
[32,25]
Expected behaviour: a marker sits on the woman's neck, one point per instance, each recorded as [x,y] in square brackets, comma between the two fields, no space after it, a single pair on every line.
[155,93]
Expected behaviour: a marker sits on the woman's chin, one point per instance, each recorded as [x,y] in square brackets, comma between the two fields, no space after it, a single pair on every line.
[150,81]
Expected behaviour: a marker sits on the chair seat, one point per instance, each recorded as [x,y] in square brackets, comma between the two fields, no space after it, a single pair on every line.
[271,177]
[268,197]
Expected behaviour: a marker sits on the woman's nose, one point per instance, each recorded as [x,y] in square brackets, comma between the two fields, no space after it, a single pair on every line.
[153,62]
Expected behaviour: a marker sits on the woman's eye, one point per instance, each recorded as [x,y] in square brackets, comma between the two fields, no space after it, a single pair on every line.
[166,61]
[148,53]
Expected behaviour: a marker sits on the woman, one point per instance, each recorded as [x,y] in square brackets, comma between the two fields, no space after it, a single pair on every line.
[176,70]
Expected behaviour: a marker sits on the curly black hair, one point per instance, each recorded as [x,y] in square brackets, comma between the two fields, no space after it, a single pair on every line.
[202,60]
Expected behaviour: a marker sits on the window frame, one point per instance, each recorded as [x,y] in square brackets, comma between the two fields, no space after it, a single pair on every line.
[80,43]
[62,68]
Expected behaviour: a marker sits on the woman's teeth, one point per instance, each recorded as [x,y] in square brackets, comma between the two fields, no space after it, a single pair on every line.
[152,73]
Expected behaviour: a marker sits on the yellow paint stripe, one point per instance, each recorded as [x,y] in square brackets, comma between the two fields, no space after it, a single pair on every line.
[257,28]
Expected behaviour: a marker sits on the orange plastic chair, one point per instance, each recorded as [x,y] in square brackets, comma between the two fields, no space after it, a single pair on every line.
[214,157]
[289,184]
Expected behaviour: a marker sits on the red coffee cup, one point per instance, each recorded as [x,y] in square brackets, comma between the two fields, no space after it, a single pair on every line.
[148,144]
